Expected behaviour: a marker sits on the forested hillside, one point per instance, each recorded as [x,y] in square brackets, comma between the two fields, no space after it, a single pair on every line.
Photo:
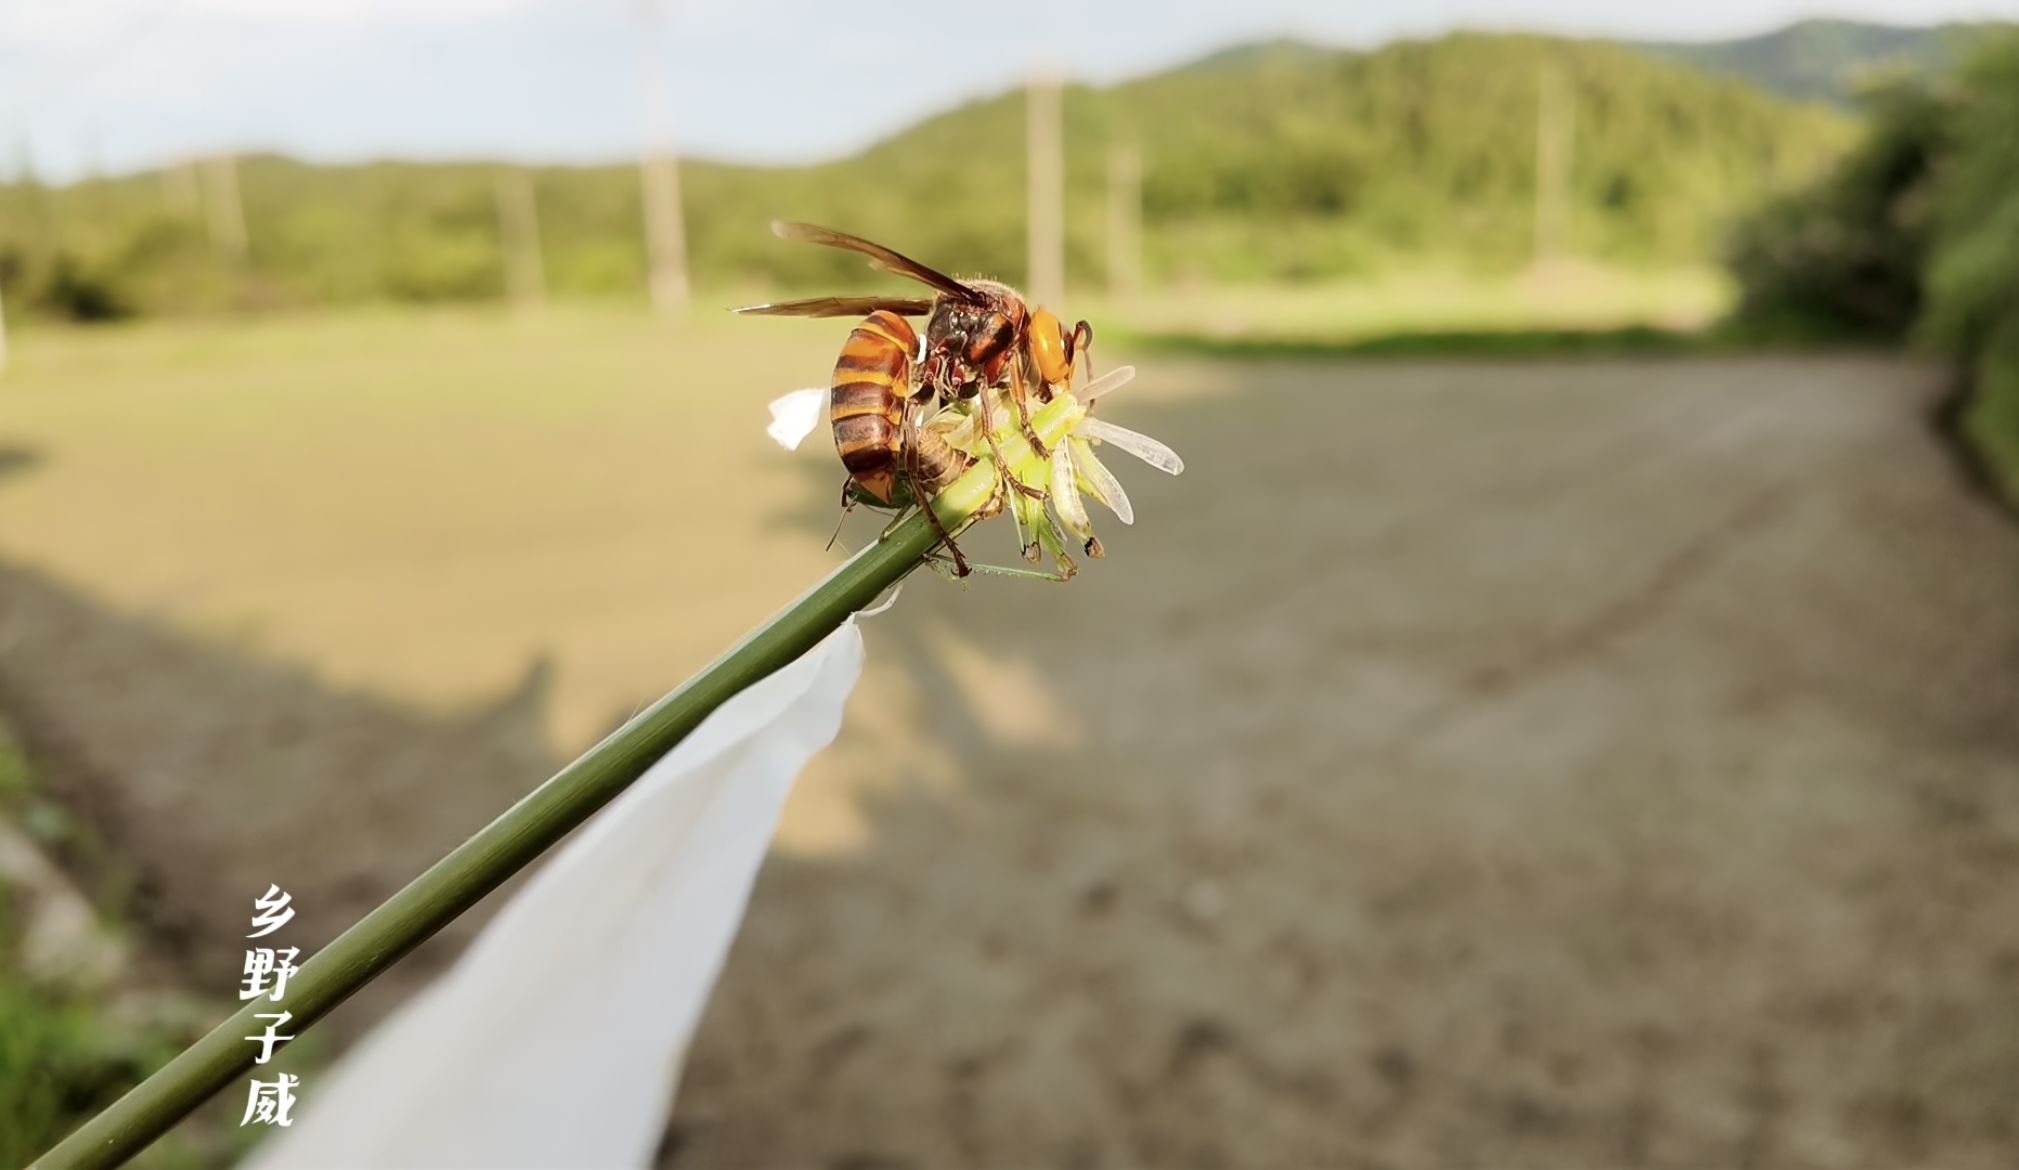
[1272,163]
[1827,60]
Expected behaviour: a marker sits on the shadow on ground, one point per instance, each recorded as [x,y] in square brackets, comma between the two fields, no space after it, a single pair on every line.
[16,459]
[206,774]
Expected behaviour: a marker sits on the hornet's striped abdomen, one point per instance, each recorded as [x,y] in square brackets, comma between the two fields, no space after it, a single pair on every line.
[867,401]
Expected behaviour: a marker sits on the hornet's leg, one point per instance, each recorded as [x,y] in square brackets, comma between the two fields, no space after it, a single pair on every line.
[1044,536]
[897,517]
[1020,406]
[1006,571]
[1027,514]
[995,446]
[992,508]
[910,449]
[847,506]
[1018,506]
[1082,341]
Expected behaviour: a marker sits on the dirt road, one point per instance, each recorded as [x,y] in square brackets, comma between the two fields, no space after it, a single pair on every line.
[1556,765]
[1552,765]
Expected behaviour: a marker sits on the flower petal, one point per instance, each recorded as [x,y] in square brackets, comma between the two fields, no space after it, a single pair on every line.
[1065,493]
[1102,482]
[794,416]
[1140,445]
[1111,381]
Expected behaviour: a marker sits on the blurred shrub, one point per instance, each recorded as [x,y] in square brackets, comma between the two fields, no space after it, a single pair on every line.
[77,294]
[165,264]
[1843,257]
[1990,417]
[1973,268]
[445,264]
[65,1052]
[56,1065]
[1915,234]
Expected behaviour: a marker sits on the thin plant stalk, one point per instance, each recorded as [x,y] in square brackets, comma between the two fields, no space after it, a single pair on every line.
[545,815]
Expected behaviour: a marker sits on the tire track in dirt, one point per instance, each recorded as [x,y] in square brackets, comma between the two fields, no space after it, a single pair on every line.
[1644,603]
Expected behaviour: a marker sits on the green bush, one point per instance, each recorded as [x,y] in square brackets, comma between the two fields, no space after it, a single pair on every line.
[1843,257]
[1973,267]
[1915,234]
[1991,416]
[76,293]
[1972,271]
[67,1049]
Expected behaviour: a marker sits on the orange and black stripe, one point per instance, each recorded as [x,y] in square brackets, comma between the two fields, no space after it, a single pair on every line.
[867,400]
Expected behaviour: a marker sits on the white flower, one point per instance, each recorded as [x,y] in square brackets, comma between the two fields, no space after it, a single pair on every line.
[1076,469]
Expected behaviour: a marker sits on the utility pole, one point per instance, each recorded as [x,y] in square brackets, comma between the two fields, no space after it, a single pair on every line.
[1555,116]
[1045,222]
[89,189]
[665,234]
[1125,220]
[179,188]
[227,214]
[37,207]
[519,237]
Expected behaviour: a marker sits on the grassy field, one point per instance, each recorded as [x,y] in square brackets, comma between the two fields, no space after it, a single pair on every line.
[405,491]
[1548,763]
[423,496]
[1567,296]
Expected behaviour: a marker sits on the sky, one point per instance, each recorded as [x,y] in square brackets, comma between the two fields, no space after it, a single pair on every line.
[94,86]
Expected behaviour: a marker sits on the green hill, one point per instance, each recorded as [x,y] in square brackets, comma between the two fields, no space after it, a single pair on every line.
[1286,163]
[1825,60]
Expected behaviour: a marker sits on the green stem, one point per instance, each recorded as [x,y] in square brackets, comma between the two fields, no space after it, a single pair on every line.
[545,815]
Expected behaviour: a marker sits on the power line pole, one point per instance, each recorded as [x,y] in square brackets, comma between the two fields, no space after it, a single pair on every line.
[665,234]
[179,188]
[1555,115]
[1125,219]
[1045,223]
[46,217]
[519,235]
[35,209]
[227,214]
[89,189]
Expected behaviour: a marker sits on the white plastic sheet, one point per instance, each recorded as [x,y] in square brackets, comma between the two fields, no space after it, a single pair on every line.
[557,1039]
